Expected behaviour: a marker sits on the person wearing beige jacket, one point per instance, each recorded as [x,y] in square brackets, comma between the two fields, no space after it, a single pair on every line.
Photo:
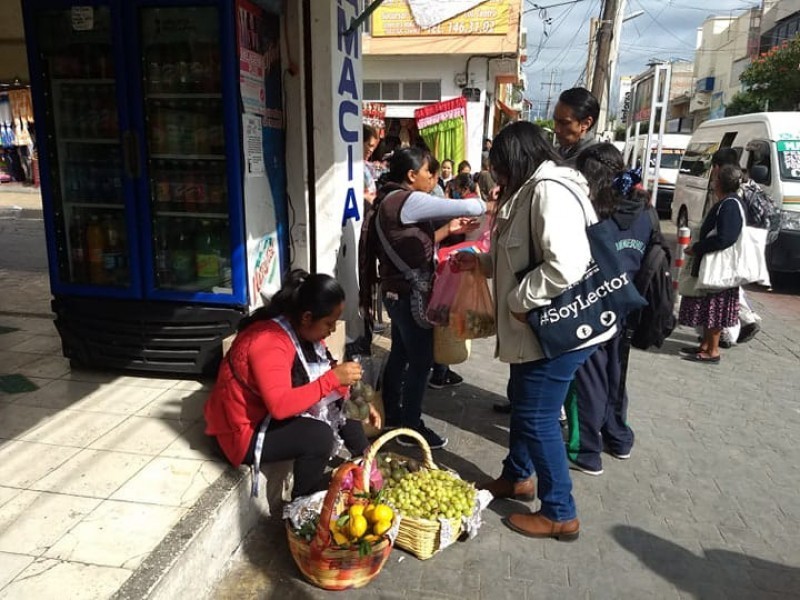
[539,222]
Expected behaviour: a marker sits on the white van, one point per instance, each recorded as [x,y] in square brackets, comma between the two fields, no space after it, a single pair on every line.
[769,149]
[673,145]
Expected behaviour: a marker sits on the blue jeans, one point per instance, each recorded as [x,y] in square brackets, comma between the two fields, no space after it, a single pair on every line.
[538,391]
[408,366]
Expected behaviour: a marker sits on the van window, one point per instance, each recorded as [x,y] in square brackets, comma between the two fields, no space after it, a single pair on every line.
[789,159]
[759,155]
[727,139]
[697,159]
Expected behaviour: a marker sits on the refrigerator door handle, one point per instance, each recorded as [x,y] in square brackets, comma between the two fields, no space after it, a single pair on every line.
[130,144]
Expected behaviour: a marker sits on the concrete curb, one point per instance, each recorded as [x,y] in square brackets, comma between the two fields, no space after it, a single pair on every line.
[17,212]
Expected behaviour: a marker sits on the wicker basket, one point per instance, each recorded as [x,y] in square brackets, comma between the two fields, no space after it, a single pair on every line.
[328,566]
[447,348]
[421,537]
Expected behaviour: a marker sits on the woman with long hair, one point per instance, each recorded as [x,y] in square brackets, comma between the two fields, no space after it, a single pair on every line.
[403,213]
[539,248]
[279,394]
[597,405]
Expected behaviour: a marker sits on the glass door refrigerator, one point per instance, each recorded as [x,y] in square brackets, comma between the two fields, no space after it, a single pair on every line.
[140,137]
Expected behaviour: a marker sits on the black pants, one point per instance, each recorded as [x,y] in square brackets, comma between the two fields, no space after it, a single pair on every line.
[309,443]
[597,409]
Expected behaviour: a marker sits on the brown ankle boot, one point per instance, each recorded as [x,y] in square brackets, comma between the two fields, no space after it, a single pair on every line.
[503,488]
[536,525]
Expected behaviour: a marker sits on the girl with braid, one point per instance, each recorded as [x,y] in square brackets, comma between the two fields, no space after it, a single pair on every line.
[597,403]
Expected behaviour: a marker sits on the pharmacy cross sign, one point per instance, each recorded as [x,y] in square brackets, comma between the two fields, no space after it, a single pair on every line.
[428,13]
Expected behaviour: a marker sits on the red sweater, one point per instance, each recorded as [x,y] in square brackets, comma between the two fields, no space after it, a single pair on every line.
[263,356]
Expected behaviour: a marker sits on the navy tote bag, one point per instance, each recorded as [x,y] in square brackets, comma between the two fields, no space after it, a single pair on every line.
[586,312]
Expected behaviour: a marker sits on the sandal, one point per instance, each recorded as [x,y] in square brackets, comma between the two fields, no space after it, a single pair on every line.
[699,357]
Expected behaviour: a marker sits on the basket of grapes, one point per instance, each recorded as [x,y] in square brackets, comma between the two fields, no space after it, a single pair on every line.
[433,503]
[346,544]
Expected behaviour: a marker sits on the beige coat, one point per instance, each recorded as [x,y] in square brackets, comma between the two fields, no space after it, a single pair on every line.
[543,222]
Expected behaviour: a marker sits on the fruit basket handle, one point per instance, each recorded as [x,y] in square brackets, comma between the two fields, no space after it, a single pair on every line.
[322,537]
[427,458]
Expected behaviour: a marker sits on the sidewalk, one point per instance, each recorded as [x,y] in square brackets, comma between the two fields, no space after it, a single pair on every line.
[24,202]
[106,479]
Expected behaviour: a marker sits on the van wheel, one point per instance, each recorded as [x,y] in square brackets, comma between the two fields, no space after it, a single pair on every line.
[683,218]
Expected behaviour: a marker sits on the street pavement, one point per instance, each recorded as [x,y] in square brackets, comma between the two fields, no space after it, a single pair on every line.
[706,508]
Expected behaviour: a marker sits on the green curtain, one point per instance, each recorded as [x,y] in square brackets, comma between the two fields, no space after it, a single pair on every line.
[447,139]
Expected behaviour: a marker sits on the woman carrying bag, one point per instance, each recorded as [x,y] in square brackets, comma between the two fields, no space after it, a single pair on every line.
[720,230]
[539,222]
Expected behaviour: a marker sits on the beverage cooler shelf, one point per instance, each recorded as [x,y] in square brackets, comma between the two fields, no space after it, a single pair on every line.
[87,204]
[74,81]
[188,215]
[98,141]
[184,157]
[183,96]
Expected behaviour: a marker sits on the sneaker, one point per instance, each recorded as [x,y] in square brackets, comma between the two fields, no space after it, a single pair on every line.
[450,379]
[625,456]
[748,332]
[435,441]
[576,467]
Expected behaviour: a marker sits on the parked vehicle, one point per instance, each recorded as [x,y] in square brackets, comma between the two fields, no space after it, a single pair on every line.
[769,150]
[673,145]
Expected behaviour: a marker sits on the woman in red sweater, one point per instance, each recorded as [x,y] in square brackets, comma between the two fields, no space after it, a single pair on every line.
[279,393]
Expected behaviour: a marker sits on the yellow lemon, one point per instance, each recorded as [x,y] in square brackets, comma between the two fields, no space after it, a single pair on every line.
[357,526]
[340,539]
[381,527]
[369,513]
[382,513]
[356,510]
[371,538]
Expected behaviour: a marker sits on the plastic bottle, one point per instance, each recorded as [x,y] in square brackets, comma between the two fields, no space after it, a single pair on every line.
[154,61]
[77,242]
[95,245]
[207,249]
[112,252]
[164,275]
[182,255]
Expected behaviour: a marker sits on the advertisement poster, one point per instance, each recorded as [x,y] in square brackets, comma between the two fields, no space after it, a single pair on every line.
[250,26]
[253,145]
[397,18]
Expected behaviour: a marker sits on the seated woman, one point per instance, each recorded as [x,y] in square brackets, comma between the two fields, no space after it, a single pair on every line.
[279,394]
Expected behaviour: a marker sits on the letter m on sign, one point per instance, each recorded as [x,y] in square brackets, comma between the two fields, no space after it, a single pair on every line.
[351,42]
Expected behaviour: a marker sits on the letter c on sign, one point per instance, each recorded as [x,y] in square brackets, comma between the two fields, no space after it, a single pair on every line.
[349,136]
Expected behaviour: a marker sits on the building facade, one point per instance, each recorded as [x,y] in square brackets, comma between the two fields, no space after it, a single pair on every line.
[681,83]
[418,53]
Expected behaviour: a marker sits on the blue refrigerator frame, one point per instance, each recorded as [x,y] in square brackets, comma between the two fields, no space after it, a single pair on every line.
[130,99]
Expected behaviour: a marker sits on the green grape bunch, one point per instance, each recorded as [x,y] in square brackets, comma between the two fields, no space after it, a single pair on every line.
[431,494]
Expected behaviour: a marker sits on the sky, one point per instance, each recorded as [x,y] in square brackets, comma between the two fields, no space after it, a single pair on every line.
[666,30]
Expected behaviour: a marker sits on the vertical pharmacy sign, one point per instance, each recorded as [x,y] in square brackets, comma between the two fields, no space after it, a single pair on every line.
[348,157]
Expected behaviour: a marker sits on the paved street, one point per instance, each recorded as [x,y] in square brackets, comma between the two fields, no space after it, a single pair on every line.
[706,508]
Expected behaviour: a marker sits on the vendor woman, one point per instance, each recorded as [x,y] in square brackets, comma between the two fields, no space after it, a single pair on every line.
[279,394]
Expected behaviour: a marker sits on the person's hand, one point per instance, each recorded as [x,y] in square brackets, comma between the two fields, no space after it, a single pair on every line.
[521,317]
[348,373]
[374,418]
[688,251]
[465,261]
[463,225]
[494,194]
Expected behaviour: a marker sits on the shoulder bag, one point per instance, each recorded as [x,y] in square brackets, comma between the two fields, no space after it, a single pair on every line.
[589,311]
[744,262]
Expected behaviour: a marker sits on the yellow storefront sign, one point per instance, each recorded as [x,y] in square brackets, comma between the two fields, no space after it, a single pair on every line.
[394,18]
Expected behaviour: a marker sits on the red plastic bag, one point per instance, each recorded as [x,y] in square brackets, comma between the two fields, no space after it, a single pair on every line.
[472,313]
[445,286]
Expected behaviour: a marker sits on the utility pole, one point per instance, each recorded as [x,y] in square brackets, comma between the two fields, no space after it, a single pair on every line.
[605,33]
[550,91]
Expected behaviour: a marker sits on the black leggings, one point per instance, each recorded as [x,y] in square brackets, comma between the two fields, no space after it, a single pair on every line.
[309,443]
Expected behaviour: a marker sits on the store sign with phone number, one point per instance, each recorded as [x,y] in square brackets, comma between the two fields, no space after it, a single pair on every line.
[400,18]
[789,151]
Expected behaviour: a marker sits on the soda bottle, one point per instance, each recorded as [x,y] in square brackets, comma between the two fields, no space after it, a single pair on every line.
[216,193]
[154,69]
[164,275]
[169,69]
[207,249]
[182,255]
[77,242]
[201,188]
[225,255]
[95,245]
[112,252]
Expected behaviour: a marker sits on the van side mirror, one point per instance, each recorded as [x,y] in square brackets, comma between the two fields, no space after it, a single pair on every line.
[759,173]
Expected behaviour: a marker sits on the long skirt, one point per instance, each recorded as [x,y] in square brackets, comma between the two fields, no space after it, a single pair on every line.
[714,311]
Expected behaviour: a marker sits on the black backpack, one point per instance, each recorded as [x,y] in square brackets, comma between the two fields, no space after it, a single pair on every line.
[653,323]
